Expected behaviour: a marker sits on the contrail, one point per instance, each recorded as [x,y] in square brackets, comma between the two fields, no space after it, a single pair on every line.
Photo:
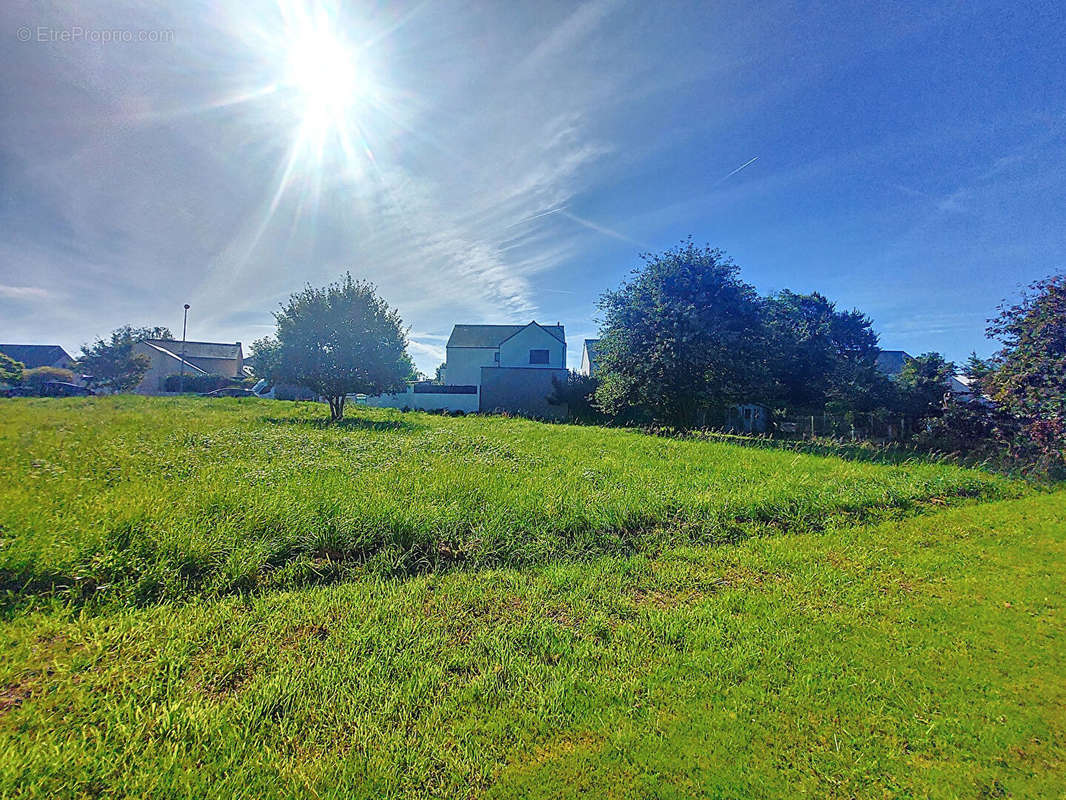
[599,228]
[738,169]
[561,210]
[537,216]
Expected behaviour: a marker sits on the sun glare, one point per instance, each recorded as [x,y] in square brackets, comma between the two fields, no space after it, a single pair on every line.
[329,85]
[325,98]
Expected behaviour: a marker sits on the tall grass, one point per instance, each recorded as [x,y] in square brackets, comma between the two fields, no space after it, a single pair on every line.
[150,498]
[920,658]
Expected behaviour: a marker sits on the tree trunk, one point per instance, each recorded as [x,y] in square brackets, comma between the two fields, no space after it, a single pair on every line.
[336,408]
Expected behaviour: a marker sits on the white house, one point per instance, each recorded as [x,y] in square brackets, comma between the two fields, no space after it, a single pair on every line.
[493,368]
[589,357]
[472,347]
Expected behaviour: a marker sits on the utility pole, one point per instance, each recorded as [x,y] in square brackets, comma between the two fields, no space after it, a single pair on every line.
[184,328]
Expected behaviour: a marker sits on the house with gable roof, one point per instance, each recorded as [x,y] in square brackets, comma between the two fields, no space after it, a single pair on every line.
[892,362]
[512,366]
[201,358]
[471,348]
[494,368]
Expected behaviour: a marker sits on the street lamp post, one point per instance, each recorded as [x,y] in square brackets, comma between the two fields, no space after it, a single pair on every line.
[184,328]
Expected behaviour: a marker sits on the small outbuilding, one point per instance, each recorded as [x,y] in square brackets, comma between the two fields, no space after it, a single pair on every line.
[748,418]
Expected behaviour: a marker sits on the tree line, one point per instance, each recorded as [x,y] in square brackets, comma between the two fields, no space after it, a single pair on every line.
[680,341]
[337,340]
[685,337]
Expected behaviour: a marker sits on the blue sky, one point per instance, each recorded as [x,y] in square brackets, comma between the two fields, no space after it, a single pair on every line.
[502,161]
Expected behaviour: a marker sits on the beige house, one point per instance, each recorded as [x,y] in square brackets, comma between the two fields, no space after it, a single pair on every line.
[201,358]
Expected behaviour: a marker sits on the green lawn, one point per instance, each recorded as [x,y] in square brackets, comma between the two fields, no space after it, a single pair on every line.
[143,499]
[871,640]
[912,659]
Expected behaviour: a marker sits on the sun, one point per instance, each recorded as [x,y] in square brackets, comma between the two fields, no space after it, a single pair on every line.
[328,83]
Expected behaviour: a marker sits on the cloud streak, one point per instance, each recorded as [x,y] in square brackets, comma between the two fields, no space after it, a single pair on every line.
[191,189]
[24,292]
[510,162]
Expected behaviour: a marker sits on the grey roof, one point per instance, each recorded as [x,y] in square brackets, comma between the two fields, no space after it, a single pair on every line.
[960,384]
[493,335]
[152,343]
[223,350]
[590,347]
[35,355]
[891,362]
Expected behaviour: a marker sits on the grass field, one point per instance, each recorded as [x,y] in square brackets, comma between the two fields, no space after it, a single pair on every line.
[146,499]
[922,658]
[509,609]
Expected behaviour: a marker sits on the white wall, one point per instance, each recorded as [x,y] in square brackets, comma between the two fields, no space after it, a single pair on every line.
[464,364]
[515,351]
[425,401]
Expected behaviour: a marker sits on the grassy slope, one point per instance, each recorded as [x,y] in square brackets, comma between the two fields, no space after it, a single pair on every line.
[153,498]
[916,658]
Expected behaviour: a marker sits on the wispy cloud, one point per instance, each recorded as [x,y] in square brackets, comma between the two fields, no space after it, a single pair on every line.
[24,292]
[931,323]
[569,34]
[425,350]
[954,202]
[587,223]
[159,177]
[432,337]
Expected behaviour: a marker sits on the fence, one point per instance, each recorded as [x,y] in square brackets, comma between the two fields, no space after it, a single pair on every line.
[856,425]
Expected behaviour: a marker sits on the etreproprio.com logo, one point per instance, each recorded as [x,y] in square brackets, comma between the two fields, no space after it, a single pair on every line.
[78,33]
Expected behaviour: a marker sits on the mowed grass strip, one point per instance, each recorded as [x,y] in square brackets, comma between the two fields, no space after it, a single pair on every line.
[919,658]
[149,498]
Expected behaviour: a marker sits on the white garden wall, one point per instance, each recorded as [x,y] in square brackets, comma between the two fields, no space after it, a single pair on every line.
[426,401]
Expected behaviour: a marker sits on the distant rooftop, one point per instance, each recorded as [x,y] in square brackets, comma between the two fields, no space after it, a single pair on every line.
[36,355]
[169,353]
[222,350]
[494,335]
[891,362]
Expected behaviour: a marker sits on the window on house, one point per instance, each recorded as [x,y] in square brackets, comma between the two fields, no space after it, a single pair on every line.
[538,356]
[496,356]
